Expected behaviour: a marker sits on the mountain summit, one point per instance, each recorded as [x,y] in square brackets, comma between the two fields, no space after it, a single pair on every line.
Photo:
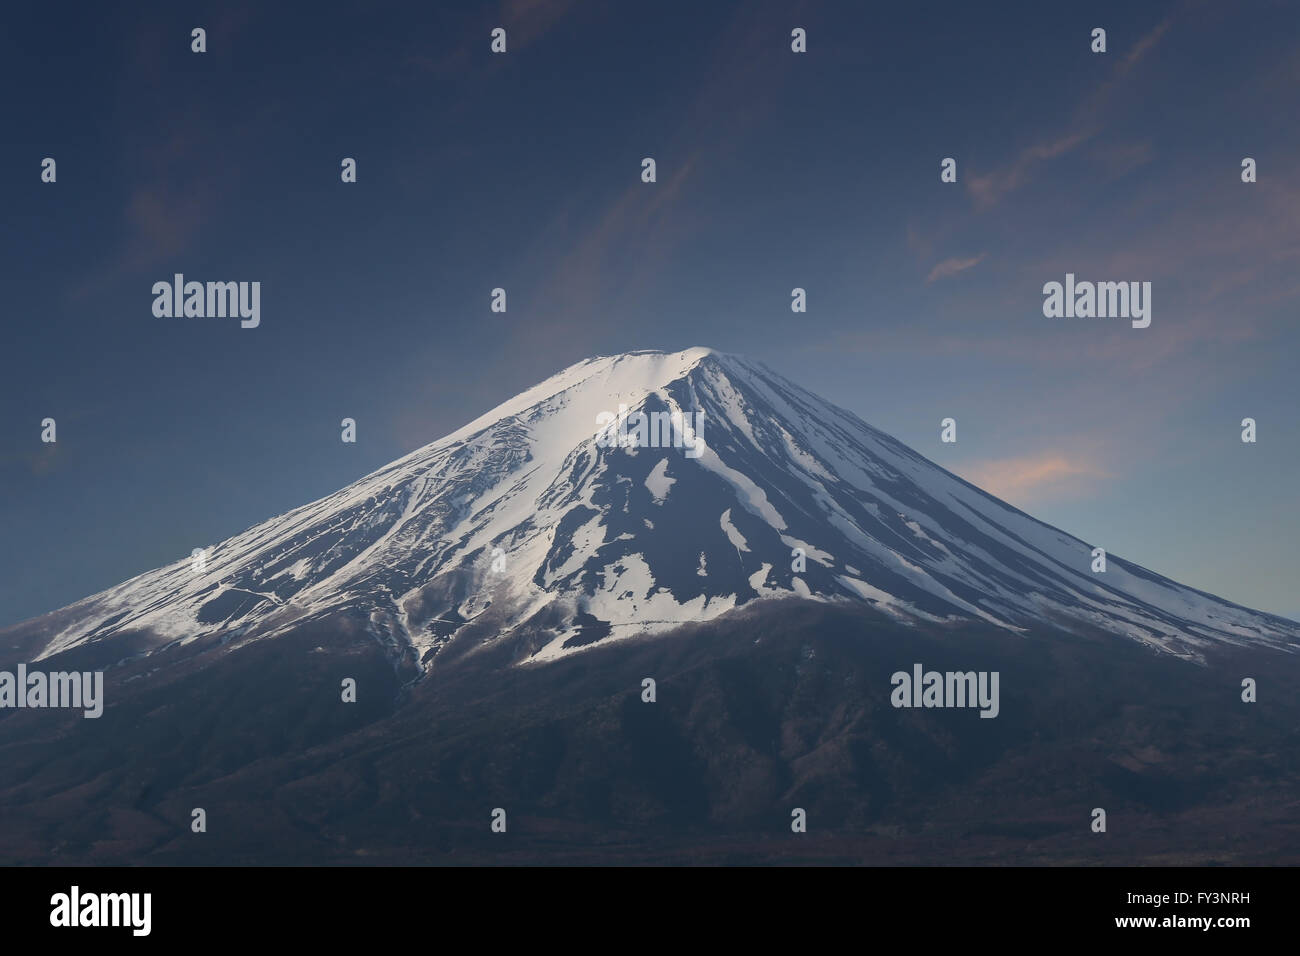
[632,494]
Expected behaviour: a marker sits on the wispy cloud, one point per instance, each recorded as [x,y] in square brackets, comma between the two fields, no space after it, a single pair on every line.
[596,258]
[1047,474]
[987,190]
[40,461]
[180,192]
[1085,122]
[620,249]
[527,20]
[951,267]
[1119,159]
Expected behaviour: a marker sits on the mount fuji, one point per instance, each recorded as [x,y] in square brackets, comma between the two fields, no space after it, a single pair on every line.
[648,607]
[524,528]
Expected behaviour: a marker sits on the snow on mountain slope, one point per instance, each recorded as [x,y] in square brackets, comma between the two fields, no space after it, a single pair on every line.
[522,519]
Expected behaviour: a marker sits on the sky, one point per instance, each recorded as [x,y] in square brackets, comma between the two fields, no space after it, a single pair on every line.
[522,170]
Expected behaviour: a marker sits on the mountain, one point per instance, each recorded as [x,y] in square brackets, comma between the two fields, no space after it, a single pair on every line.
[528,527]
[500,600]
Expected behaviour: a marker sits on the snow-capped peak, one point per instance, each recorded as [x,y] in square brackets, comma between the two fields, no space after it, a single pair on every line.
[724,484]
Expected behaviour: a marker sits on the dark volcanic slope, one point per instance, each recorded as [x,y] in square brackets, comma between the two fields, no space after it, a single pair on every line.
[755,715]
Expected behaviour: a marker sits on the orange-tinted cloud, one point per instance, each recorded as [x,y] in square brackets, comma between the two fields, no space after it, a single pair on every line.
[1050,474]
